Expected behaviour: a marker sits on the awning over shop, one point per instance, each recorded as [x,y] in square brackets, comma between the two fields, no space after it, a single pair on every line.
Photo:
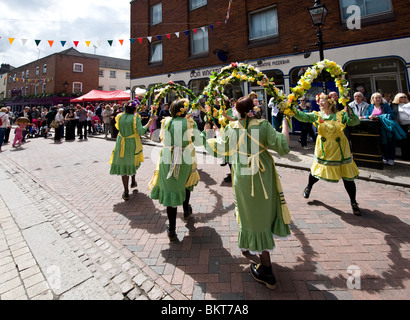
[98,95]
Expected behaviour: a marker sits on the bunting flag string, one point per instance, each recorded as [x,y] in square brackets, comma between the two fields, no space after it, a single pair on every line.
[110,42]
[228,12]
[31,81]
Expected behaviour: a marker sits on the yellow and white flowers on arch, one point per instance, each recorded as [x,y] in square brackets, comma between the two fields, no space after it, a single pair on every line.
[305,82]
[234,73]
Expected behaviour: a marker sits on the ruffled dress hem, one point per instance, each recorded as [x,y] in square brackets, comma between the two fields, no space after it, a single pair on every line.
[257,242]
[167,199]
[122,170]
[335,173]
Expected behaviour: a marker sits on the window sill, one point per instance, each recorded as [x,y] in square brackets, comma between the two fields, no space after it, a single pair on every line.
[199,55]
[263,42]
[154,64]
[370,21]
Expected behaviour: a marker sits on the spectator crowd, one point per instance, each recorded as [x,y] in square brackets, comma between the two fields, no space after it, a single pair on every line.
[79,121]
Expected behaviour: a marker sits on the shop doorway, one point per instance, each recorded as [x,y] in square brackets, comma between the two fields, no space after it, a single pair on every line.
[263,99]
[388,83]
[386,76]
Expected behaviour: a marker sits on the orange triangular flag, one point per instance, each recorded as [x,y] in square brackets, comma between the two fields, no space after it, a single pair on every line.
[121,41]
[88,43]
[11,40]
[50,42]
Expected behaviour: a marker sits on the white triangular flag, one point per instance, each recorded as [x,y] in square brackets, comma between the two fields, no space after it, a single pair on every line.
[203,29]
[177,34]
[149,39]
[98,43]
[24,41]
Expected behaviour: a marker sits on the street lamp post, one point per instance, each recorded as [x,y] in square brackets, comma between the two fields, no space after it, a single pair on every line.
[318,15]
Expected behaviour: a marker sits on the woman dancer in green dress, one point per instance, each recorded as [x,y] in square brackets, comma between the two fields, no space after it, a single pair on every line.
[260,206]
[176,173]
[333,159]
[127,155]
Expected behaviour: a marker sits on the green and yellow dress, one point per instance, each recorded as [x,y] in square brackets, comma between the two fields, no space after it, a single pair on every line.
[224,122]
[127,155]
[176,169]
[333,158]
[260,206]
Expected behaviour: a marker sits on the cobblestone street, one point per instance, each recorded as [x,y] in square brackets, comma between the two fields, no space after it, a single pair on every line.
[61,213]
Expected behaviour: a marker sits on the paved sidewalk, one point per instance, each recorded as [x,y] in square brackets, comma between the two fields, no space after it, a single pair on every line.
[65,232]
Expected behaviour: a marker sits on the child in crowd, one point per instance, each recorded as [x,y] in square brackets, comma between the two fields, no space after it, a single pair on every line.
[18,134]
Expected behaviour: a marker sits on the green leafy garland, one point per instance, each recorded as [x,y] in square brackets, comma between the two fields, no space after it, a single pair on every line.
[163,89]
[234,74]
[289,106]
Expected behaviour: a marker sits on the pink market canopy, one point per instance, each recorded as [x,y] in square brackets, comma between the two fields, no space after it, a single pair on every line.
[98,95]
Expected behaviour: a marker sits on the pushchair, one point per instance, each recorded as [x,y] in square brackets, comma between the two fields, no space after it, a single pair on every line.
[43,129]
[34,130]
[98,127]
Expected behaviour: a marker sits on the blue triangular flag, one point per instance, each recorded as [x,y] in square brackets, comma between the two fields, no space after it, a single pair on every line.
[132,41]
[159,38]
[186,33]
[212,27]
[63,43]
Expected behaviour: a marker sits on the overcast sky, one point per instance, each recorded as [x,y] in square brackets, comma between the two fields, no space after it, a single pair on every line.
[62,20]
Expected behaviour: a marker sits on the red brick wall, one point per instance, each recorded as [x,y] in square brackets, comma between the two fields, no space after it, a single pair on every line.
[89,77]
[60,69]
[295,29]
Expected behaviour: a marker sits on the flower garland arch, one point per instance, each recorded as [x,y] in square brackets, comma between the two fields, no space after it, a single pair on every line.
[163,89]
[234,74]
[289,106]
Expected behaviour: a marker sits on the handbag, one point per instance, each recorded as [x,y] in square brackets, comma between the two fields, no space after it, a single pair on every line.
[54,124]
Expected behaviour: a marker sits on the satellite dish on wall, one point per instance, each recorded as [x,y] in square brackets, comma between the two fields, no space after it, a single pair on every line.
[221,54]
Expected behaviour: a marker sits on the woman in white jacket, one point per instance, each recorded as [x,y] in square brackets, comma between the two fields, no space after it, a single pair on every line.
[4,123]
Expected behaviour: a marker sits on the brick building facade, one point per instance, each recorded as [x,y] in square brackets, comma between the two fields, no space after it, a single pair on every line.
[51,80]
[375,56]
[62,76]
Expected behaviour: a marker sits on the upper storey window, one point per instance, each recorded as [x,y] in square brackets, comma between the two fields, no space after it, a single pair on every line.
[263,24]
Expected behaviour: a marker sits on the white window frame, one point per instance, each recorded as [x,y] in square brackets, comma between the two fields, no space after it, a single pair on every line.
[113,74]
[43,88]
[101,73]
[253,14]
[205,41]
[78,67]
[80,84]
[154,44]
[154,18]
[37,70]
[27,73]
[45,68]
[195,4]
[364,15]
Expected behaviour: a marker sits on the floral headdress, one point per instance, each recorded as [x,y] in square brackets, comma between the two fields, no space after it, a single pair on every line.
[325,97]
[185,109]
